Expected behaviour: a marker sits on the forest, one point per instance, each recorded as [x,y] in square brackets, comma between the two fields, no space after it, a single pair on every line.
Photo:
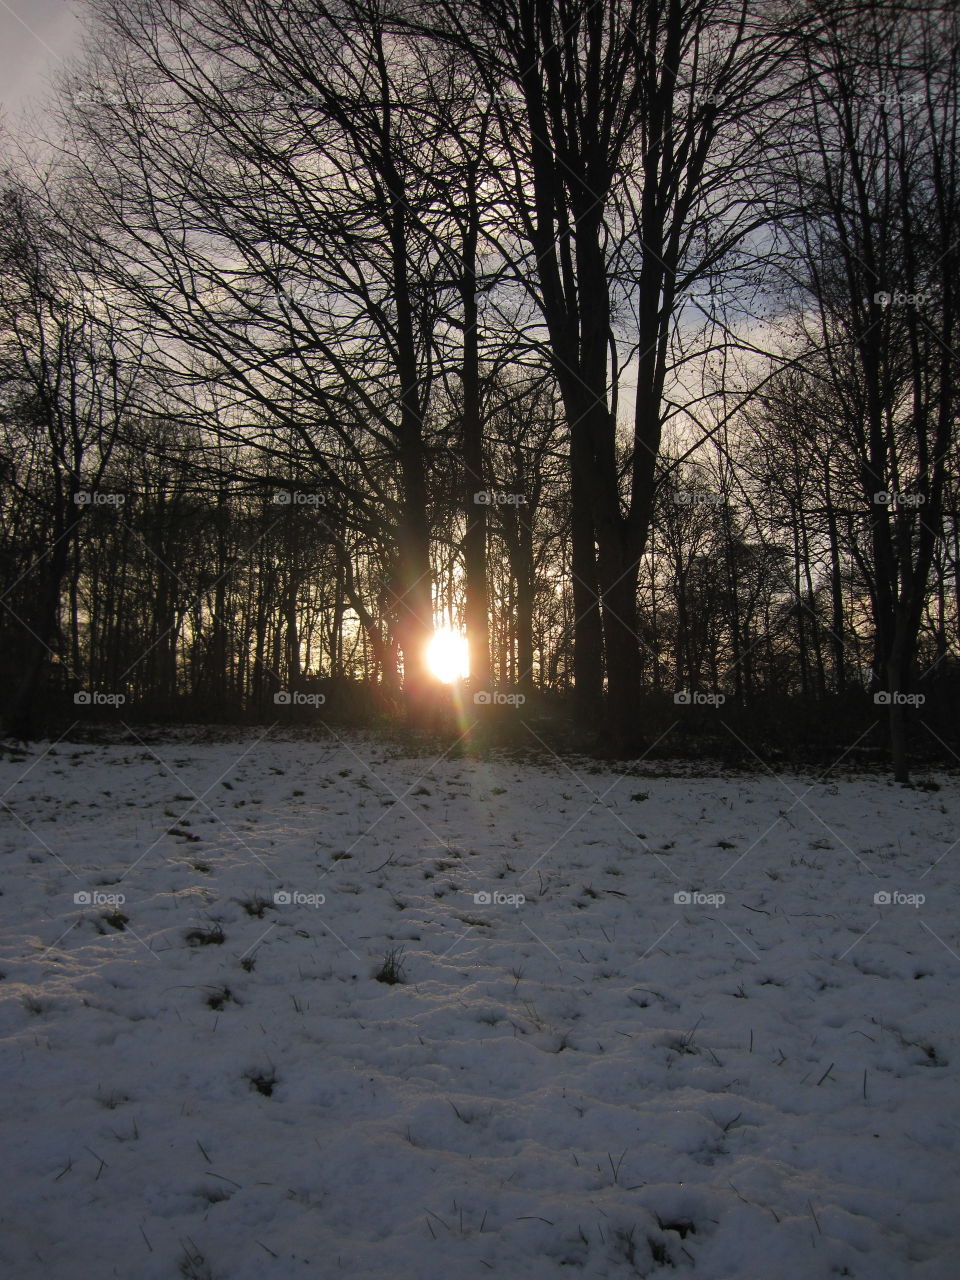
[480,640]
[586,368]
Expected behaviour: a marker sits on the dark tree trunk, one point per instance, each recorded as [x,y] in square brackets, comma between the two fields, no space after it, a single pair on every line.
[477,606]
[23,719]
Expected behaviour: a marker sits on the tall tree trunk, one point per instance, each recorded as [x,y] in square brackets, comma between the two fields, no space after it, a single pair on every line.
[415,577]
[836,595]
[587,630]
[23,719]
[477,607]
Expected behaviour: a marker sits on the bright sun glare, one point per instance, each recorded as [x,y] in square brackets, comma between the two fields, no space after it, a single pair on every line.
[448,656]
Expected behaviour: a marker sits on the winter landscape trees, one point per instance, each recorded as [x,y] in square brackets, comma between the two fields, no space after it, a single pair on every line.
[619,336]
[479,636]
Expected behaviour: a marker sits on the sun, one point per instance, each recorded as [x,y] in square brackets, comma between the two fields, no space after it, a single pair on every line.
[448,656]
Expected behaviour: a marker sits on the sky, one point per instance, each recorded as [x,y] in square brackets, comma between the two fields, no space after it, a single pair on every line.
[35,38]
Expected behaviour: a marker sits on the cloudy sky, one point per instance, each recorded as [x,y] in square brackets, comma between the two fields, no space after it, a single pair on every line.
[35,37]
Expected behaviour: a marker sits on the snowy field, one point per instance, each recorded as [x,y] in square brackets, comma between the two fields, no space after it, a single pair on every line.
[208,1073]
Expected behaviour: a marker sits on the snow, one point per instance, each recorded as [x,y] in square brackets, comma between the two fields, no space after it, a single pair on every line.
[583,1077]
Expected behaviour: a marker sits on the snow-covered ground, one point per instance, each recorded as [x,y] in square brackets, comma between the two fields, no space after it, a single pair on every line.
[584,1076]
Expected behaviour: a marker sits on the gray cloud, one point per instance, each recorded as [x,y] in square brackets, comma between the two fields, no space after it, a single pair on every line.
[36,36]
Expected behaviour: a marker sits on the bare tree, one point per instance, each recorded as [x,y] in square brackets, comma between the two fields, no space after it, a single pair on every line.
[68,374]
[877,180]
[270,194]
[625,125]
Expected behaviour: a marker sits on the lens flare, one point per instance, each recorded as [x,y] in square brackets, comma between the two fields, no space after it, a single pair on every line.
[448,656]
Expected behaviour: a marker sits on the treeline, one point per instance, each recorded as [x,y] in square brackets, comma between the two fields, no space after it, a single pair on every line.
[622,335]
